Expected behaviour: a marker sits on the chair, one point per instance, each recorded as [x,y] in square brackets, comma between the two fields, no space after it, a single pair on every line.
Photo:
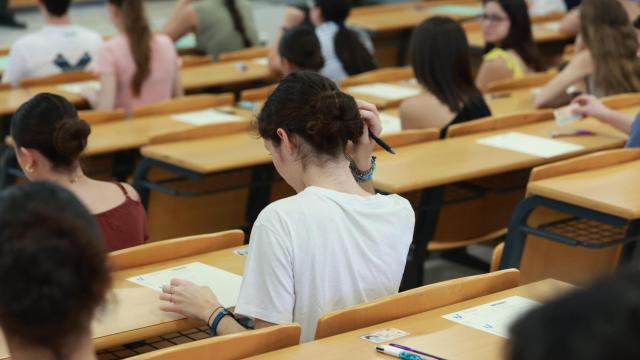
[5,86]
[245,54]
[415,301]
[156,252]
[498,122]
[496,256]
[621,100]
[259,94]
[195,60]
[379,75]
[410,137]
[63,78]
[94,117]
[231,347]
[528,81]
[184,104]
[542,258]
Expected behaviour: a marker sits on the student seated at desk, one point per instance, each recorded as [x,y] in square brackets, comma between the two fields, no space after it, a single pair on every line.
[440,59]
[346,51]
[300,50]
[136,67]
[510,51]
[597,322]
[58,47]
[570,24]
[53,270]
[49,138]
[335,243]
[609,65]
[589,105]
[220,25]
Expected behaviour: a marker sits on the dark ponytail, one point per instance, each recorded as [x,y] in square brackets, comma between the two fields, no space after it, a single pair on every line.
[238,23]
[353,54]
[310,106]
[139,34]
[50,124]
[300,46]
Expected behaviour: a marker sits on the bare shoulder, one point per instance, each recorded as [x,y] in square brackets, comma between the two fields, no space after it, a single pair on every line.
[424,111]
[131,192]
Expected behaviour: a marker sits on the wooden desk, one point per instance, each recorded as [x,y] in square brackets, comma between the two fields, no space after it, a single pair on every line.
[542,33]
[10,100]
[608,195]
[117,326]
[428,331]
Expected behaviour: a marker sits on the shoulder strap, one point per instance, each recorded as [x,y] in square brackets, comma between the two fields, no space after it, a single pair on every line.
[124,191]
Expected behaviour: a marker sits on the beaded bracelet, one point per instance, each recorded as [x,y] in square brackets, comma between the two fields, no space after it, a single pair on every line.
[362,176]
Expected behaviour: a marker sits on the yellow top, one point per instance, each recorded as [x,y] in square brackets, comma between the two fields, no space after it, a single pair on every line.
[513,63]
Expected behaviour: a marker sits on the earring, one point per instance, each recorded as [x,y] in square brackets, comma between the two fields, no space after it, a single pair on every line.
[29,170]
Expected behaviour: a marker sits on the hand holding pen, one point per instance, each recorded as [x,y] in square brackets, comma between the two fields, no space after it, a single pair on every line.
[372,129]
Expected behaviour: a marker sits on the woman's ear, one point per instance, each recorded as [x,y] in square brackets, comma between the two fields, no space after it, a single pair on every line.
[287,142]
[27,159]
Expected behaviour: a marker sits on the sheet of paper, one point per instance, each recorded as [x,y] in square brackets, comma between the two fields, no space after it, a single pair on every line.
[390,124]
[385,91]
[206,117]
[79,87]
[549,26]
[261,61]
[461,10]
[4,62]
[224,284]
[384,335]
[496,317]
[186,42]
[529,144]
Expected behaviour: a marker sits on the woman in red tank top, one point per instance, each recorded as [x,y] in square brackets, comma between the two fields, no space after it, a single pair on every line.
[48,139]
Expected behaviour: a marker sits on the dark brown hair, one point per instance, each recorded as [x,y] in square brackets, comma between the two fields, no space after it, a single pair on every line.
[49,123]
[57,8]
[440,59]
[609,35]
[53,266]
[301,47]
[520,37]
[312,108]
[138,32]
[238,22]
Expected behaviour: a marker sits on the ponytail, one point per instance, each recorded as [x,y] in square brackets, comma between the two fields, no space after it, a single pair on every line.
[353,55]
[138,32]
[238,24]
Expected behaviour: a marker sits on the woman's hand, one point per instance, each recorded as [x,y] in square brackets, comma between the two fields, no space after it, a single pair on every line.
[363,149]
[188,299]
[589,105]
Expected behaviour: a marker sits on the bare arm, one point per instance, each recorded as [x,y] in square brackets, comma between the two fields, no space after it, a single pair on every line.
[554,93]
[364,148]
[589,105]
[570,23]
[490,71]
[178,90]
[105,98]
[183,20]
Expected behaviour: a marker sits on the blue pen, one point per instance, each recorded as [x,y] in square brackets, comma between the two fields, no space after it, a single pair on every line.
[417,351]
[399,353]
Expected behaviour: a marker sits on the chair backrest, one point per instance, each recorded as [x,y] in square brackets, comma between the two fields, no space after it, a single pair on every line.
[231,347]
[496,256]
[94,117]
[183,104]
[195,60]
[415,301]
[259,94]
[528,81]
[498,122]
[63,78]
[409,137]
[379,75]
[199,132]
[5,86]
[621,100]
[244,54]
[172,249]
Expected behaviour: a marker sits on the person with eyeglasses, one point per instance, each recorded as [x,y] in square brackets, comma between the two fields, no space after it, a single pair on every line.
[510,52]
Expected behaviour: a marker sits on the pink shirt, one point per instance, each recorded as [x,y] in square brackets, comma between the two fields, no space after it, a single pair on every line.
[115,58]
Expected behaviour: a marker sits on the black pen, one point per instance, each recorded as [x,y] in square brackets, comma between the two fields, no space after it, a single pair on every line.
[382,144]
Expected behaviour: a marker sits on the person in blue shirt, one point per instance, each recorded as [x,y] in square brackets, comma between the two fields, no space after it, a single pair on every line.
[589,105]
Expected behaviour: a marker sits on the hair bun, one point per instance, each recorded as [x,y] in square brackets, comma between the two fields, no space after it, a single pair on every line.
[70,138]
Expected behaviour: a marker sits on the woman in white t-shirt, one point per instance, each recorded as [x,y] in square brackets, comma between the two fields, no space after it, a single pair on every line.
[335,244]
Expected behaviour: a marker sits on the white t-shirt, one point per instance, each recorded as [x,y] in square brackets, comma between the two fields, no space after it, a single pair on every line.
[326,33]
[52,50]
[323,250]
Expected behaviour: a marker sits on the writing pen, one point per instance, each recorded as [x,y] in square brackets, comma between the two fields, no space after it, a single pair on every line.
[382,144]
[399,353]
[416,351]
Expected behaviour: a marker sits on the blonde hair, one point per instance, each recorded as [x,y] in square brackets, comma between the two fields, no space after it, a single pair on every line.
[609,34]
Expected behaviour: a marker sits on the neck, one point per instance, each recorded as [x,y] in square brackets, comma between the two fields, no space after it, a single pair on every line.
[57,20]
[67,179]
[81,349]
[334,175]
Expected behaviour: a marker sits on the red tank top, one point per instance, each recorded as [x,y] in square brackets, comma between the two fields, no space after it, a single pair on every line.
[125,225]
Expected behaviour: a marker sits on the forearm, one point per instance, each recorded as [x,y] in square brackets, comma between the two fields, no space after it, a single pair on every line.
[618,120]
[228,326]
[363,163]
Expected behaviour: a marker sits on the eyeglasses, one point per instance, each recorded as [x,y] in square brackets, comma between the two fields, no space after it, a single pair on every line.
[492,18]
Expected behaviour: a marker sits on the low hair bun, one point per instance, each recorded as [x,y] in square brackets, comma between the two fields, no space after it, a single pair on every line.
[70,138]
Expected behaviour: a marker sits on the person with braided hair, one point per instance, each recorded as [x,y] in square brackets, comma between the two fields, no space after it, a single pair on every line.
[220,25]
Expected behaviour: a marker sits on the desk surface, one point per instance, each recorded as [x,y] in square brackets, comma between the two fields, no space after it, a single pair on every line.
[542,33]
[115,326]
[428,331]
[613,190]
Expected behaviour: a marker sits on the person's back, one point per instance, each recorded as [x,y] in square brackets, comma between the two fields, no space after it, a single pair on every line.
[58,47]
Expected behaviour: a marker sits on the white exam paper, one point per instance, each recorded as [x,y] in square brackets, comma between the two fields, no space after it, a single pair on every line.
[78,87]
[530,144]
[206,117]
[496,317]
[385,91]
[261,61]
[224,284]
[390,124]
